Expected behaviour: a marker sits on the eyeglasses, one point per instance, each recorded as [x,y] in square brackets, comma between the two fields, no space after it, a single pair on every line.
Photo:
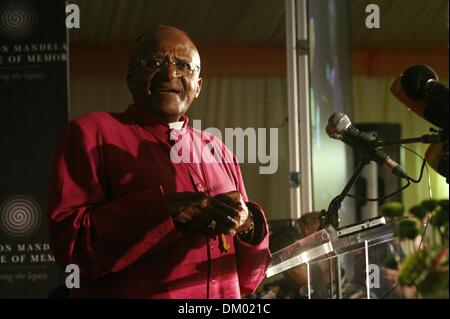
[182,67]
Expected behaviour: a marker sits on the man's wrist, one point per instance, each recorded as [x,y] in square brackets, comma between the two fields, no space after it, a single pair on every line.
[248,226]
[258,231]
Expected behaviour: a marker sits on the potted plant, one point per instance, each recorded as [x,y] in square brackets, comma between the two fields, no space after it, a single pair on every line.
[424,235]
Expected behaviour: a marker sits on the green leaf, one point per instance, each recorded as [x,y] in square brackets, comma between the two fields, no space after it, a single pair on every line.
[418,211]
[429,205]
[444,204]
[392,209]
[432,283]
[439,218]
[412,268]
[407,229]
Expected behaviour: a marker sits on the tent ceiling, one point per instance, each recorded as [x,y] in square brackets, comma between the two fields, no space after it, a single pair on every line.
[412,24]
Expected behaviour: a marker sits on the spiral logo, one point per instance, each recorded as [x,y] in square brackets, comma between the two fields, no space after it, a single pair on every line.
[19,216]
[17,19]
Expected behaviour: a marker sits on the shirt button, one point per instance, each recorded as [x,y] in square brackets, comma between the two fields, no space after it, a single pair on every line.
[199,186]
[213,281]
[211,246]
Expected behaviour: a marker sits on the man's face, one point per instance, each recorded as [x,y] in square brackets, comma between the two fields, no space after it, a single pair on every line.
[167,91]
[309,223]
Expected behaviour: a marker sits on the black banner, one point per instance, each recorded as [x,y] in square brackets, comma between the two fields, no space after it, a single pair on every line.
[33,110]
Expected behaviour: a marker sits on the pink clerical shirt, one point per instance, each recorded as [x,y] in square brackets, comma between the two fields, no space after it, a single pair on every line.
[108,215]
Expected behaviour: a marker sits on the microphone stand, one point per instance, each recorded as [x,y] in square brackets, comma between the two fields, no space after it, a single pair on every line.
[441,137]
[331,215]
[426,139]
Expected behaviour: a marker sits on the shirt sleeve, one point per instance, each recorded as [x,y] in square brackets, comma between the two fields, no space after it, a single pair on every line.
[252,259]
[86,228]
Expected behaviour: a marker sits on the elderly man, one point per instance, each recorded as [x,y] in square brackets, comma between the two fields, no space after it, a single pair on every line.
[139,224]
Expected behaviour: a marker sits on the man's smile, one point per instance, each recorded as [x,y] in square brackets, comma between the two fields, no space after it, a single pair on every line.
[167,89]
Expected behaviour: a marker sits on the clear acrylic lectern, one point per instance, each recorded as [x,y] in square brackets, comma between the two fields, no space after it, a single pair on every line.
[353,263]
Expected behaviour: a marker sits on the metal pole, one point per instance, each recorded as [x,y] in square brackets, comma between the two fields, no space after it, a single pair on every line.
[366,254]
[306,192]
[298,104]
[294,141]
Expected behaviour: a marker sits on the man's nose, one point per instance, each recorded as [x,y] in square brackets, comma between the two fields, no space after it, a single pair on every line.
[169,71]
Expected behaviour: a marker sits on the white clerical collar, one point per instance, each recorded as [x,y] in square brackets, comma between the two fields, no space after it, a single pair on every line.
[176,125]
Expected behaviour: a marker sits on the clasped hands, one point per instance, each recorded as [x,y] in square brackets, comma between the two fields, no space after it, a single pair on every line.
[198,211]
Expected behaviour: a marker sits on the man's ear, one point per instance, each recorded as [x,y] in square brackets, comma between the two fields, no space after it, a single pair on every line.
[199,87]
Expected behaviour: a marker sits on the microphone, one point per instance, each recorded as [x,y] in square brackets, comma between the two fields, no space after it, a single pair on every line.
[341,128]
[418,88]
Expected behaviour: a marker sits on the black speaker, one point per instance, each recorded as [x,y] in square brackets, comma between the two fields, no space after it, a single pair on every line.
[375,181]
